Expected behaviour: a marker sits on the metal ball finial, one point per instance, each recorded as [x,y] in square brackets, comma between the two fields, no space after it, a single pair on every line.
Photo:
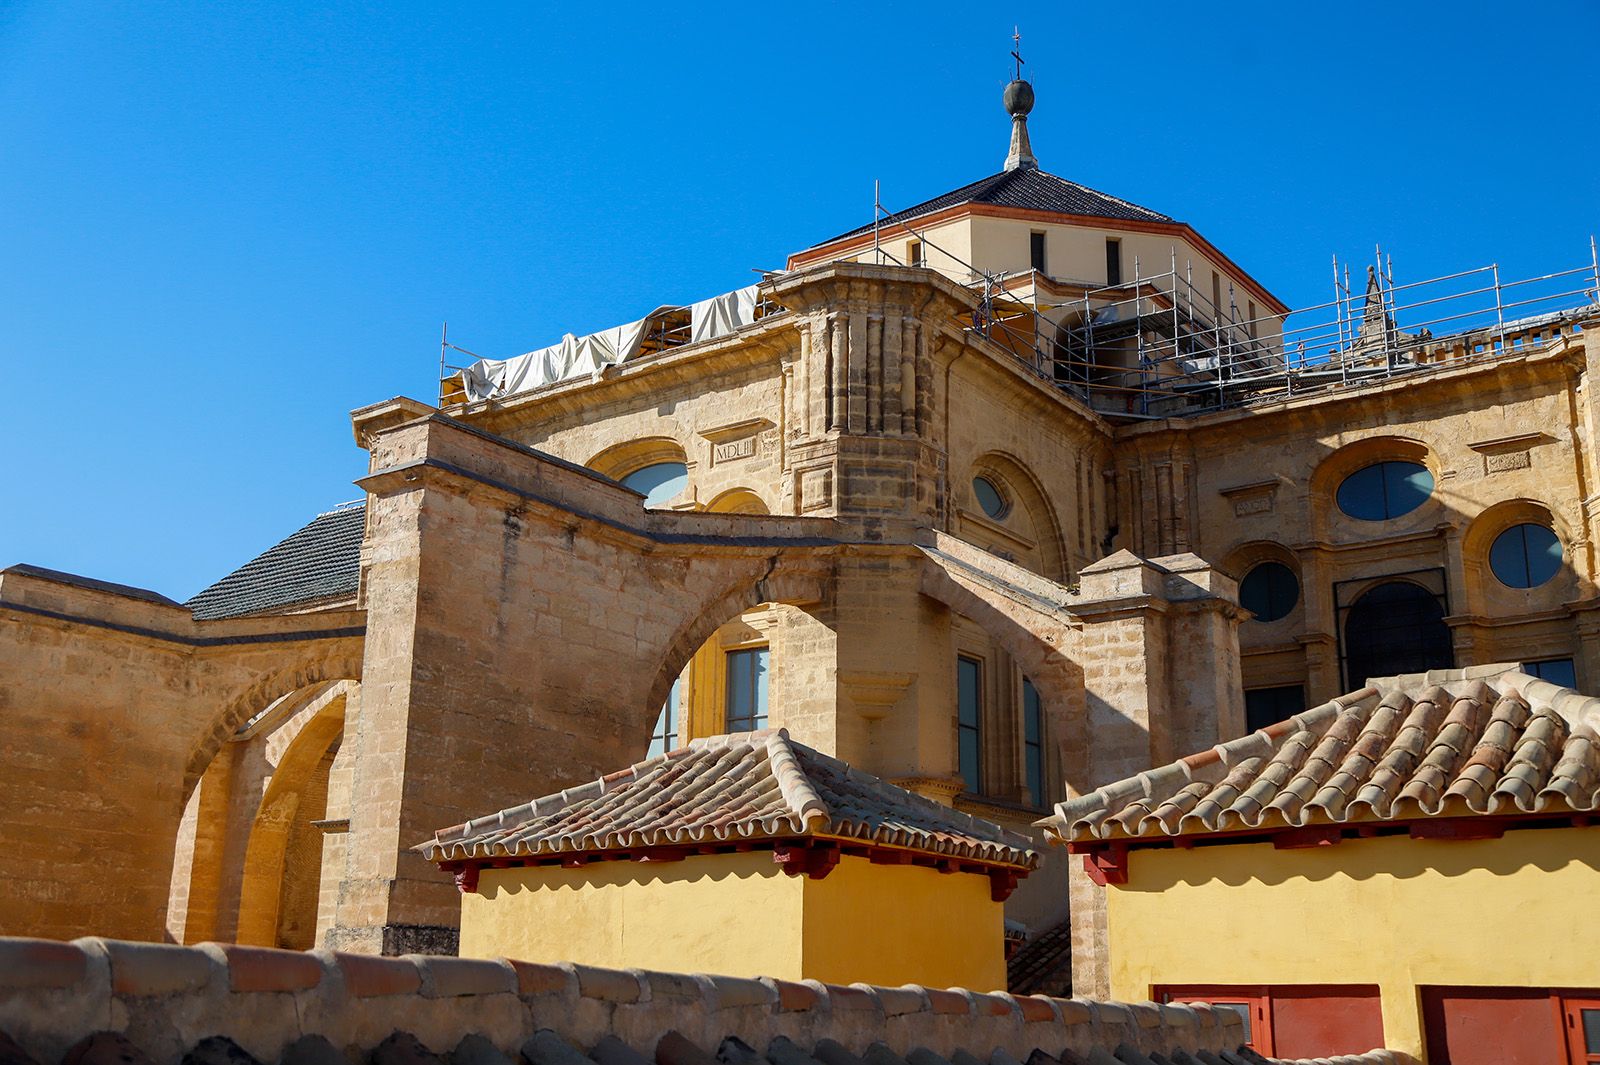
[1018,98]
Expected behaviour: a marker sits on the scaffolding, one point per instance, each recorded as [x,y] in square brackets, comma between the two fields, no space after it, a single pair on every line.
[1158,348]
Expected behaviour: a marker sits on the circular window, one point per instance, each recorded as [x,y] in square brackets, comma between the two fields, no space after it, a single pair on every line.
[989,497]
[1269,591]
[1525,556]
[1385,490]
[658,482]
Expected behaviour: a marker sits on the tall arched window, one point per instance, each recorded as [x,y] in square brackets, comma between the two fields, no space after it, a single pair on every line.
[1396,627]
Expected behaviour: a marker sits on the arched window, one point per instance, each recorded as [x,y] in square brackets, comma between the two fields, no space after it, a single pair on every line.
[658,482]
[1525,556]
[1397,627]
[1385,490]
[1269,591]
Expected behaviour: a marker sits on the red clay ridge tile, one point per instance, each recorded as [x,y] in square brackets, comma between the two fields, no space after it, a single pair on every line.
[536,979]
[366,976]
[948,1002]
[841,997]
[269,969]
[1035,1008]
[41,963]
[793,996]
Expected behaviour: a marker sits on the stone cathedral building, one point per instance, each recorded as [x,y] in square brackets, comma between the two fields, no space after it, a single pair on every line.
[1006,496]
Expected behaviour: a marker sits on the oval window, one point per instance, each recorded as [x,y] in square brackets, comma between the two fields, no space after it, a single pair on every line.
[989,497]
[1269,591]
[1525,556]
[1385,490]
[658,482]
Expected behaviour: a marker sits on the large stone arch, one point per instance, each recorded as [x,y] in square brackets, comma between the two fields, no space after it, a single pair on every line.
[261,896]
[338,660]
[801,583]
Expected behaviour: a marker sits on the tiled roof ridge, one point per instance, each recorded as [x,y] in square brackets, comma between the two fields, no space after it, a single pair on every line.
[989,189]
[1478,741]
[738,786]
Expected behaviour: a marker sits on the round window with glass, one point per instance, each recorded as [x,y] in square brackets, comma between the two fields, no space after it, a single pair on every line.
[1269,591]
[990,498]
[1525,556]
[1385,490]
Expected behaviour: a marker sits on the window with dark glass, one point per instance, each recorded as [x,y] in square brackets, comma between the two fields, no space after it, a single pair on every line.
[1036,251]
[914,254]
[969,721]
[1396,627]
[1385,490]
[1269,591]
[1268,706]
[989,497]
[747,689]
[1525,556]
[1555,670]
[1113,261]
[1033,743]
[664,737]
[658,482]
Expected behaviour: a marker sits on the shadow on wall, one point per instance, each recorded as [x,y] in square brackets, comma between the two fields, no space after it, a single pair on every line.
[1395,857]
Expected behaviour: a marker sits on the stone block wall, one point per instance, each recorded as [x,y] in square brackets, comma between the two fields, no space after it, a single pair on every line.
[165,999]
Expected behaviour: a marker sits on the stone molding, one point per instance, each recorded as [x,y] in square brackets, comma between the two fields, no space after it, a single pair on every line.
[164,999]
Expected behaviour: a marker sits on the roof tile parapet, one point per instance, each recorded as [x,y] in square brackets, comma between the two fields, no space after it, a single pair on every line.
[54,995]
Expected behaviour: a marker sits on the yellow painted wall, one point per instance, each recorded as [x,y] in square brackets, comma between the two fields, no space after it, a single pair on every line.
[1395,912]
[734,914]
[904,924]
[739,915]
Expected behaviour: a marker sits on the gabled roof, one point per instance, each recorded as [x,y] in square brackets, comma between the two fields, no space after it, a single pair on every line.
[1481,742]
[320,561]
[1029,189]
[746,786]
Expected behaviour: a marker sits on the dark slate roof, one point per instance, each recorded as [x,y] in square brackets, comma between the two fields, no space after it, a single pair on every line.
[1031,189]
[320,561]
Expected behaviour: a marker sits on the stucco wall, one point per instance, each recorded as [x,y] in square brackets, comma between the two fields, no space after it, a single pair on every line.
[740,914]
[1395,912]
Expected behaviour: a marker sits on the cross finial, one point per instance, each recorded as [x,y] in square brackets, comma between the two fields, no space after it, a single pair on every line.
[1016,53]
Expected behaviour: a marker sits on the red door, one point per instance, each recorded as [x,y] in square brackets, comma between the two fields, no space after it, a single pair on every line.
[1316,1022]
[1491,1026]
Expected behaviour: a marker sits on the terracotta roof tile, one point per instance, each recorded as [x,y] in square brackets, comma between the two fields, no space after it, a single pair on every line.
[1450,743]
[747,786]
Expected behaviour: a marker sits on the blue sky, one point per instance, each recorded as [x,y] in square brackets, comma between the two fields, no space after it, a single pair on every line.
[224,226]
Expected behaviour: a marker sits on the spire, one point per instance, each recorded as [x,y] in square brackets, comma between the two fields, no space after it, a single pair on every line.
[1019,101]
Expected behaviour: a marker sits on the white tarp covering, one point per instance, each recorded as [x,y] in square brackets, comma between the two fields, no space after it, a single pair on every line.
[589,356]
[573,357]
[721,315]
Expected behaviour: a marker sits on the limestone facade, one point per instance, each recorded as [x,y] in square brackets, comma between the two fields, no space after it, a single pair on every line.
[522,618]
